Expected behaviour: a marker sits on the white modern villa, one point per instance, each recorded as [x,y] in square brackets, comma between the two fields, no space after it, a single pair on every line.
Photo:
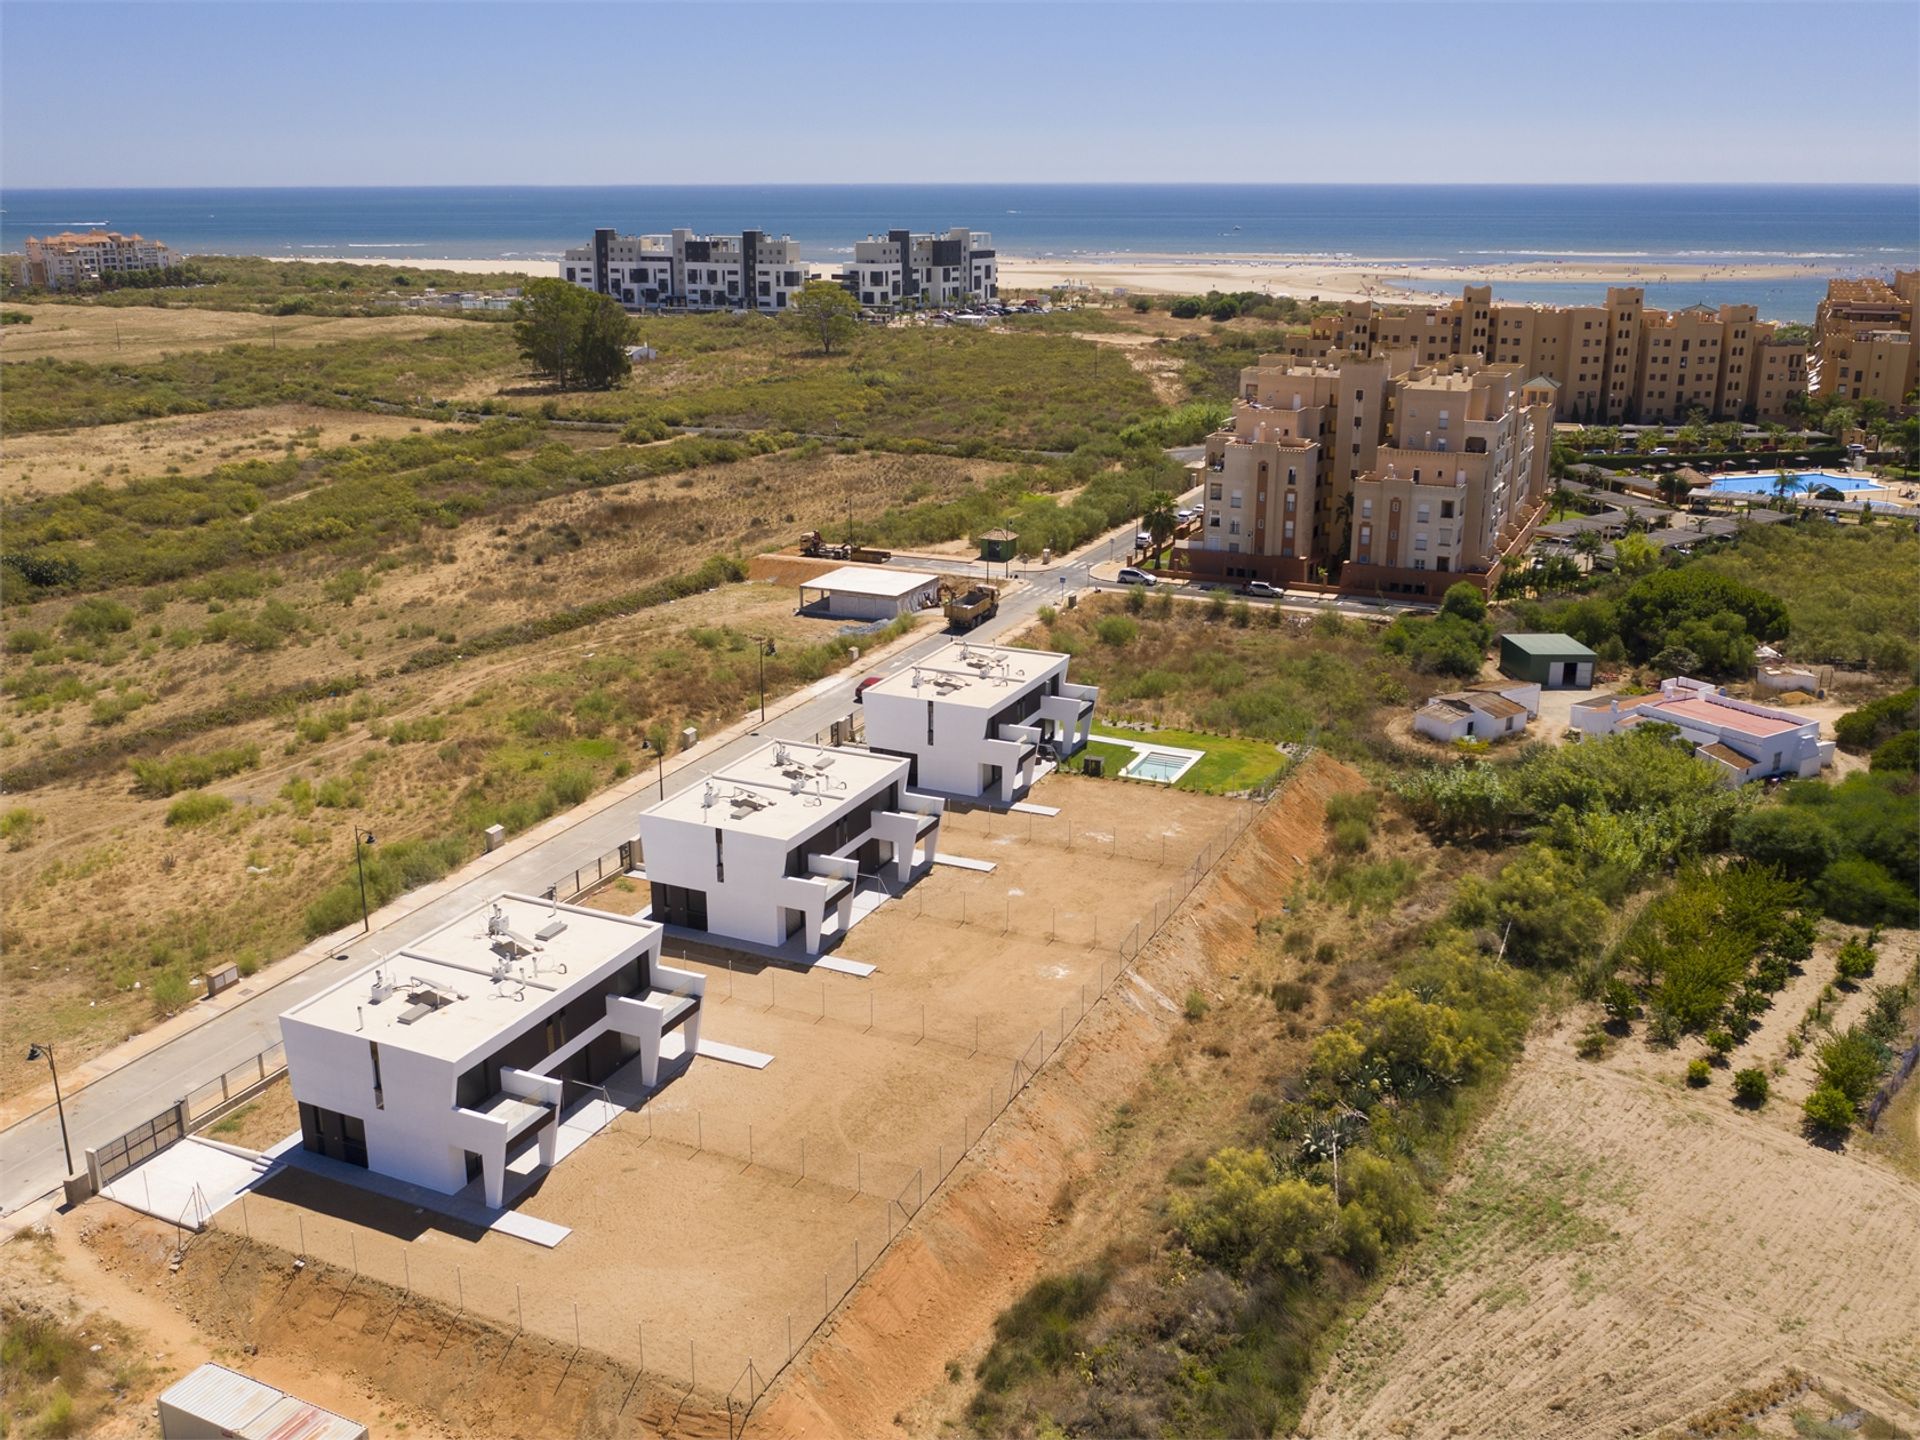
[774,844]
[971,719]
[1750,742]
[437,1063]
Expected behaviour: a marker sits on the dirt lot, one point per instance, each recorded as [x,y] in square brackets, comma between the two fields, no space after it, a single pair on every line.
[62,460]
[137,333]
[1594,1270]
[738,1199]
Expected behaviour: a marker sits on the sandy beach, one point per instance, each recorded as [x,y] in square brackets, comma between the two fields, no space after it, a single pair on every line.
[1301,276]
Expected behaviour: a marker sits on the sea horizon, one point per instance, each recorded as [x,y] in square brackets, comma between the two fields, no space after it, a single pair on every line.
[1812,229]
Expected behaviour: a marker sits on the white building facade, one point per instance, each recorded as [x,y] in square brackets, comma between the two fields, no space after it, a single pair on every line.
[1748,741]
[773,846]
[1492,713]
[902,270]
[437,1063]
[685,271]
[63,261]
[973,719]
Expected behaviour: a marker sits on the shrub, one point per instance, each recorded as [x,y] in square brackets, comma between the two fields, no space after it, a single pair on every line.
[1136,599]
[1699,1072]
[198,808]
[1871,725]
[1828,1110]
[170,992]
[1351,836]
[1251,1219]
[95,618]
[1898,756]
[1750,1086]
[159,778]
[1291,996]
[1721,1042]
[1856,960]
[1038,1333]
[1592,1043]
[17,826]
[1196,1006]
[1617,998]
[1116,630]
[1850,1063]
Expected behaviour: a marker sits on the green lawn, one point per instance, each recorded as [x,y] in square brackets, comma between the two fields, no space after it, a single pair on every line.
[1115,757]
[1227,766]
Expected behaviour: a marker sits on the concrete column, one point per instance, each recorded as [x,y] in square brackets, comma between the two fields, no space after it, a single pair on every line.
[929,844]
[690,1033]
[550,1141]
[493,1175]
[649,1056]
[816,916]
[844,907]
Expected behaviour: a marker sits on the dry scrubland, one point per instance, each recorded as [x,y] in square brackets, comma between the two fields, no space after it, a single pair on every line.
[1621,1252]
[134,335]
[506,735]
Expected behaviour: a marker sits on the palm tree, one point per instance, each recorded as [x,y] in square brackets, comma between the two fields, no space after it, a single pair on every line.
[1673,486]
[1784,485]
[1157,517]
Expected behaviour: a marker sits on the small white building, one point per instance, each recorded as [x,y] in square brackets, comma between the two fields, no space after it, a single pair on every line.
[438,1062]
[774,844]
[971,718]
[1748,741]
[1492,712]
[214,1400]
[869,592]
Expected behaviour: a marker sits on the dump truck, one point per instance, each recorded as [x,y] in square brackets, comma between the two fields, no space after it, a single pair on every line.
[968,608]
[816,546]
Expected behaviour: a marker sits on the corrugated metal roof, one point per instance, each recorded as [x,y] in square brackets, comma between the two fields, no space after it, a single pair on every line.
[225,1399]
[293,1419]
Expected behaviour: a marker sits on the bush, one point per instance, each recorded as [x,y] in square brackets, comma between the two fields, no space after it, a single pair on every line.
[198,808]
[1196,1006]
[1750,1086]
[1851,1063]
[1898,756]
[1794,838]
[170,992]
[1721,1042]
[159,778]
[1038,1333]
[1251,1219]
[1116,630]
[1871,725]
[1856,960]
[1829,1111]
[1699,1072]
[1619,1001]
[95,618]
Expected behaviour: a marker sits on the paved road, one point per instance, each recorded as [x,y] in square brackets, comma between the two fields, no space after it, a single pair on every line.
[31,1163]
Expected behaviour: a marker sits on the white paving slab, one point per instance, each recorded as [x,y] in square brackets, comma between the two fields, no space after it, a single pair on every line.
[961,862]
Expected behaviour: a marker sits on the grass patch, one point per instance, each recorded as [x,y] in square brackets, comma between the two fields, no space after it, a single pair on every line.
[198,808]
[1229,765]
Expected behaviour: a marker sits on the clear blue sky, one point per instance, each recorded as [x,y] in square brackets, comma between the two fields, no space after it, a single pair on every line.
[451,93]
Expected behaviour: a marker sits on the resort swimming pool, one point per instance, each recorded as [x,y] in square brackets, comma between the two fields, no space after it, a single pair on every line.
[1161,766]
[1804,480]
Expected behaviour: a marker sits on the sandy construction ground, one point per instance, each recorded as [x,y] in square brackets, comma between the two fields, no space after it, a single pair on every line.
[54,462]
[737,1201]
[1621,1252]
[138,333]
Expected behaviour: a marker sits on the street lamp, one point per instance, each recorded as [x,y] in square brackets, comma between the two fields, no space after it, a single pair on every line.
[36,1052]
[765,647]
[360,864]
[661,751]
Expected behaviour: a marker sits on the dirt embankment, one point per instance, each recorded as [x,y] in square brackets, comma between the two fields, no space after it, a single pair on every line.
[933,1299]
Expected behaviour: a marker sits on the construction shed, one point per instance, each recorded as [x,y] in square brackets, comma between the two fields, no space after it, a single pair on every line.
[868,592]
[216,1401]
[1553,662]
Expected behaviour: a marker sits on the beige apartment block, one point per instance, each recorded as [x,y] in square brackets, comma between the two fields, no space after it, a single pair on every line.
[1618,362]
[1372,474]
[73,257]
[1866,337]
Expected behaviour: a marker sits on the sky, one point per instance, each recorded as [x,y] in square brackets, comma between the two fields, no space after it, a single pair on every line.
[268,93]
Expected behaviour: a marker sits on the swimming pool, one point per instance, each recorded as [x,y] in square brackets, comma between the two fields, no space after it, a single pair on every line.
[1763,484]
[1161,766]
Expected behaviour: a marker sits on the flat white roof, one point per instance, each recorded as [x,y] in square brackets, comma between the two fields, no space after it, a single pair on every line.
[969,674]
[783,790]
[871,580]
[451,993]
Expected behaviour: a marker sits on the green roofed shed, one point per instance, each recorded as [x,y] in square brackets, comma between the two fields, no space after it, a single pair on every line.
[1553,662]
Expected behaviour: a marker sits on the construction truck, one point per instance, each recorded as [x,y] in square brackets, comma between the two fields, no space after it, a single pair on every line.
[968,608]
[816,546]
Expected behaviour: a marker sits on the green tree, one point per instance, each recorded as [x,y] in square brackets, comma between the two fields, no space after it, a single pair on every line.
[1850,1062]
[1250,1218]
[572,334]
[1635,554]
[1157,517]
[1673,486]
[825,313]
[1829,1111]
[1750,1087]
[1464,601]
[601,342]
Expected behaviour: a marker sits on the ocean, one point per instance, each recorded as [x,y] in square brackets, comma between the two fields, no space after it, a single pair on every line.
[1847,229]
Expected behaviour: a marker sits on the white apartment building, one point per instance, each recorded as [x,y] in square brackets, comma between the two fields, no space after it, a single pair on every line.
[774,844]
[73,257]
[970,719]
[437,1063]
[902,270]
[1750,742]
[685,271]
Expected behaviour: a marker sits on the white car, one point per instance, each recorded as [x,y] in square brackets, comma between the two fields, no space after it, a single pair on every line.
[1142,539]
[1132,576]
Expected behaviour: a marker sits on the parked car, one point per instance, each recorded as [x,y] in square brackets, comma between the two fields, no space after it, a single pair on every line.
[1131,575]
[860,690]
[1142,539]
[1260,587]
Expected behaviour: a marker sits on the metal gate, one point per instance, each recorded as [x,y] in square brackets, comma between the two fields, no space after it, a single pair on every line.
[109,1161]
